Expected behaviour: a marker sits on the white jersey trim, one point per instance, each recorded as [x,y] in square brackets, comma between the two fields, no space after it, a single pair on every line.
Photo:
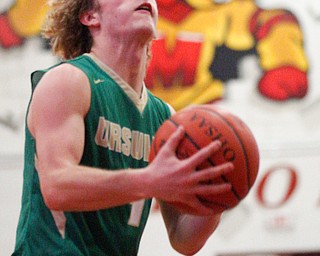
[140,101]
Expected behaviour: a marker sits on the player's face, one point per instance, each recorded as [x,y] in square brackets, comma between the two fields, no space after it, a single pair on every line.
[131,17]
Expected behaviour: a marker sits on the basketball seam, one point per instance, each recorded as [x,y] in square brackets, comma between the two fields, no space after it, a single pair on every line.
[234,192]
[186,135]
[241,144]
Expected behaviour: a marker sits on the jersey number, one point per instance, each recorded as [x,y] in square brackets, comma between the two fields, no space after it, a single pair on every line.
[136,213]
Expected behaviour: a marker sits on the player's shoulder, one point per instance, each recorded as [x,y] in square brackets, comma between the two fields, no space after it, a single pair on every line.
[66,70]
[69,69]
[63,82]
[63,76]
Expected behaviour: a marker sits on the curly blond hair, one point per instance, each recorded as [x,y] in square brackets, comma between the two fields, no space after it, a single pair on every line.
[68,37]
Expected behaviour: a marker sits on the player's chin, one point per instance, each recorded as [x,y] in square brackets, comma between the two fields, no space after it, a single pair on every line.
[145,29]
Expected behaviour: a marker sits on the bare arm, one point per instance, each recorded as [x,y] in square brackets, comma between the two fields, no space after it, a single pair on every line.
[189,233]
[56,120]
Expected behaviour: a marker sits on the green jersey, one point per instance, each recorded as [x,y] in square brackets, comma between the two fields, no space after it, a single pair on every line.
[119,128]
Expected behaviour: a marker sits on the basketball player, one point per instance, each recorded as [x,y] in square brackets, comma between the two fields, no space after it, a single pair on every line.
[87,183]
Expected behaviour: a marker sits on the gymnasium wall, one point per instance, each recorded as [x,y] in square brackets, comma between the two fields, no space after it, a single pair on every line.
[281,214]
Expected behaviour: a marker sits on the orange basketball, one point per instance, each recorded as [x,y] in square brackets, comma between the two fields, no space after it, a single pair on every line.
[204,124]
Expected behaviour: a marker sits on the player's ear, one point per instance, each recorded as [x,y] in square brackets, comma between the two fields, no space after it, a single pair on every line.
[90,18]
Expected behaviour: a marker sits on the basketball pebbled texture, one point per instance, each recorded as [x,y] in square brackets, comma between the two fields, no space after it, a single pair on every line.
[204,124]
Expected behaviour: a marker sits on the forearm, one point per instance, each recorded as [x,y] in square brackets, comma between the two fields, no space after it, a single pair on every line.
[188,233]
[193,231]
[79,188]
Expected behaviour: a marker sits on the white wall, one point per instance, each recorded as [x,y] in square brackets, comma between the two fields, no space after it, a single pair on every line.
[292,226]
[11,187]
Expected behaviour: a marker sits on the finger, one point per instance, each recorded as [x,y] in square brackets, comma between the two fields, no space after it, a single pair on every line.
[213,189]
[204,153]
[176,137]
[213,172]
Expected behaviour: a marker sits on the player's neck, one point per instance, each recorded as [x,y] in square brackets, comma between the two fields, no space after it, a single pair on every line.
[128,62]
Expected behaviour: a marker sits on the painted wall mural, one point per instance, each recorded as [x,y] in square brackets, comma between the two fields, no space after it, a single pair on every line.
[21,21]
[199,45]
[201,42]
[198,54]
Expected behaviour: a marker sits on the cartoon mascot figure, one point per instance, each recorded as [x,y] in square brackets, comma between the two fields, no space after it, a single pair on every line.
[195,34]
[23,20]
[194,37]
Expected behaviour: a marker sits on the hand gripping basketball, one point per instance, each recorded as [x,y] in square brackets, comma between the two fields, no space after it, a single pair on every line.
[204,124]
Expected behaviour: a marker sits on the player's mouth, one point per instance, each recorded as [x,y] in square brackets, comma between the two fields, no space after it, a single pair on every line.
[145,7]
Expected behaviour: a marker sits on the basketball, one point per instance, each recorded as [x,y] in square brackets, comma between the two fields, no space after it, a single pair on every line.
[204,124]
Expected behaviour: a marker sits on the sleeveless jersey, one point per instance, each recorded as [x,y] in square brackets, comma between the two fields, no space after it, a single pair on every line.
[119,128]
